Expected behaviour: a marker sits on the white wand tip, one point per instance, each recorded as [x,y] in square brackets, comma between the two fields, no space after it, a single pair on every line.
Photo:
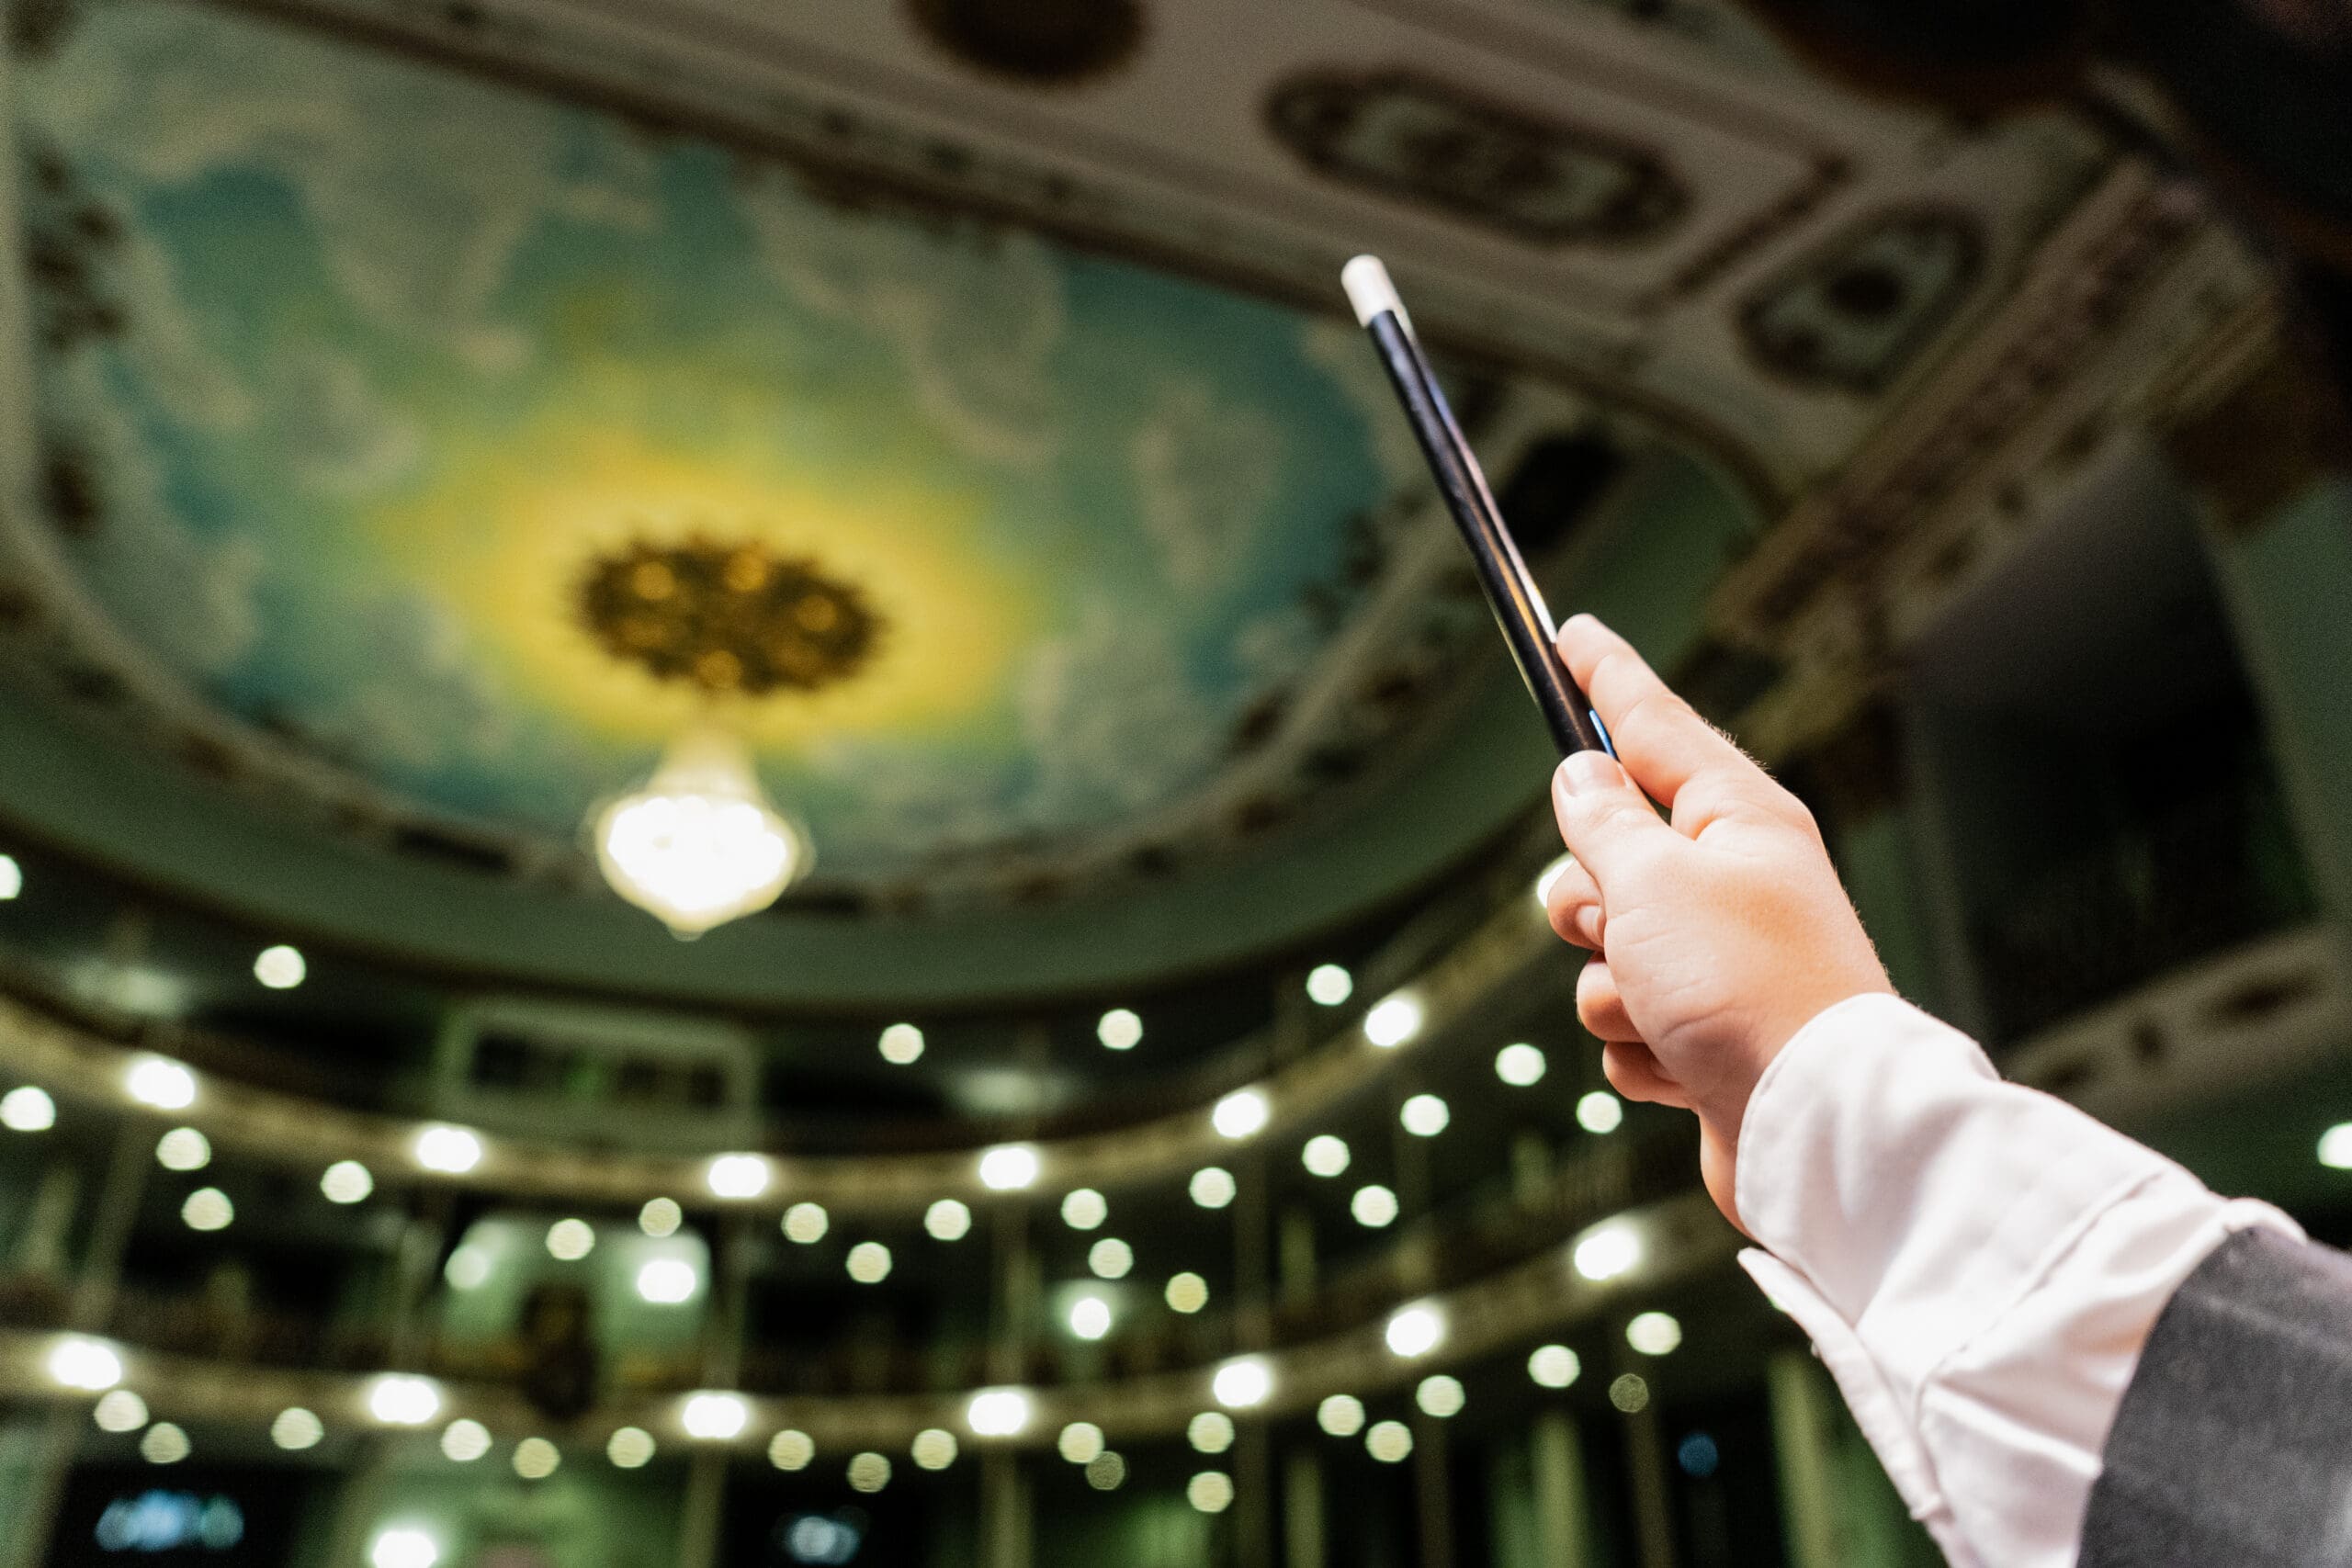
[1369,290]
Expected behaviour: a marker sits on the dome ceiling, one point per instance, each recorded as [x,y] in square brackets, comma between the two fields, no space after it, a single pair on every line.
[437,410]
[397,415]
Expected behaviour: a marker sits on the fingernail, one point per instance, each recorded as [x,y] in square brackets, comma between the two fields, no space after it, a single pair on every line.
[1587,771]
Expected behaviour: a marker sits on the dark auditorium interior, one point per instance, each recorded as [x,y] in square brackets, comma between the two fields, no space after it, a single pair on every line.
[753,811]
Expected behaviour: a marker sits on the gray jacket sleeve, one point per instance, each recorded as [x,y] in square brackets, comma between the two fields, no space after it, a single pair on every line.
[2234,1443]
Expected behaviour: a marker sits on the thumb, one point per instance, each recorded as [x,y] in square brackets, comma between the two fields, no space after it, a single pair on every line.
[1606,822]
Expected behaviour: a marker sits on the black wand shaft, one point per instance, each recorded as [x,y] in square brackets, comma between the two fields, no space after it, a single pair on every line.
[1511,589]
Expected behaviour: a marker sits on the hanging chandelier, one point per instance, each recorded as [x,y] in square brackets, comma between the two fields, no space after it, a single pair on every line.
[699,843]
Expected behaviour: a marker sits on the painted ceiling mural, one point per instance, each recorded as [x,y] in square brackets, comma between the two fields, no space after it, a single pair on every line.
[403,415]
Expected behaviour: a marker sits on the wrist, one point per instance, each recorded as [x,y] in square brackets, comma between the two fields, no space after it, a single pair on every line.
[1744,1062]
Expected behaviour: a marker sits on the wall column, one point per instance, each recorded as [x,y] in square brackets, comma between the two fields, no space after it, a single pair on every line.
[1303,1544]
[1563,1513]
[1808,1499]
[1840,1510]
[1004,1511]
[2287,581]
[54,1437]
[1653,1502]
[1433,1487]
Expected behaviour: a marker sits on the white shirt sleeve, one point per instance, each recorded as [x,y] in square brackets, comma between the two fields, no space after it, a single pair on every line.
[1977,1263]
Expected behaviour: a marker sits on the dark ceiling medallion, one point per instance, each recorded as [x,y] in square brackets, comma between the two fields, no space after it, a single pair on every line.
[1046,42]
[1426,141]
[1856,311]
[730,618]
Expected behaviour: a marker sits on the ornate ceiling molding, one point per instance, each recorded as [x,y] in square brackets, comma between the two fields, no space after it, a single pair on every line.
[2124,310]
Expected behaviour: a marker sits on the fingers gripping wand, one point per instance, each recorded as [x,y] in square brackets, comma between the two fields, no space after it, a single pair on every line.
[1510,590]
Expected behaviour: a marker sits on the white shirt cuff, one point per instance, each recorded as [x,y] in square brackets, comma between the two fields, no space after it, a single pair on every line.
[1977,1263]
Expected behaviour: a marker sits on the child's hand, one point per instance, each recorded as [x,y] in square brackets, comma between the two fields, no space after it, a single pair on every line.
[1715,938]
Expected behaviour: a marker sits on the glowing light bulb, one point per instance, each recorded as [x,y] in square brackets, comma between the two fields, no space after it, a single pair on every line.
[934,1448]
[281,968]
[998,1413]
[1212,1187]
[736,1176]
[699,845]
[1390,1442]
[569,1241]
[1211,1491]
[398,1400]
[403,1549]
[464,1441]
[1243,1382]
[183,1149]
[1084,1210]
[1440,1396]
[1608,1252]
[1600,1111]
[163,1084]
[453,1151]
[28,1110]
[1187,1292]
[1424,1116]
[659,1217]
[85,1364]
[1080,1442]
[120,1410]
[1111,1258]
[164,1444]
[1341,1415]
[1090,1317]
[1119,1030]
[789,1449]
[1394,1021]
[1554,1366]
[208,1209]
[948,1220]
[536,1459]
[1654,1334]
[667,1282]
[1327,985]
[346,1181]
[1325,1156]
[806,1224]
[1241,1114]
[715,1418]
[901,1044]
[296,1430]
[1008,1167]
[1416,1331]
[870,1263]
[1373,1206]
[469,1268]
[1521,1065]
[630,1448]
